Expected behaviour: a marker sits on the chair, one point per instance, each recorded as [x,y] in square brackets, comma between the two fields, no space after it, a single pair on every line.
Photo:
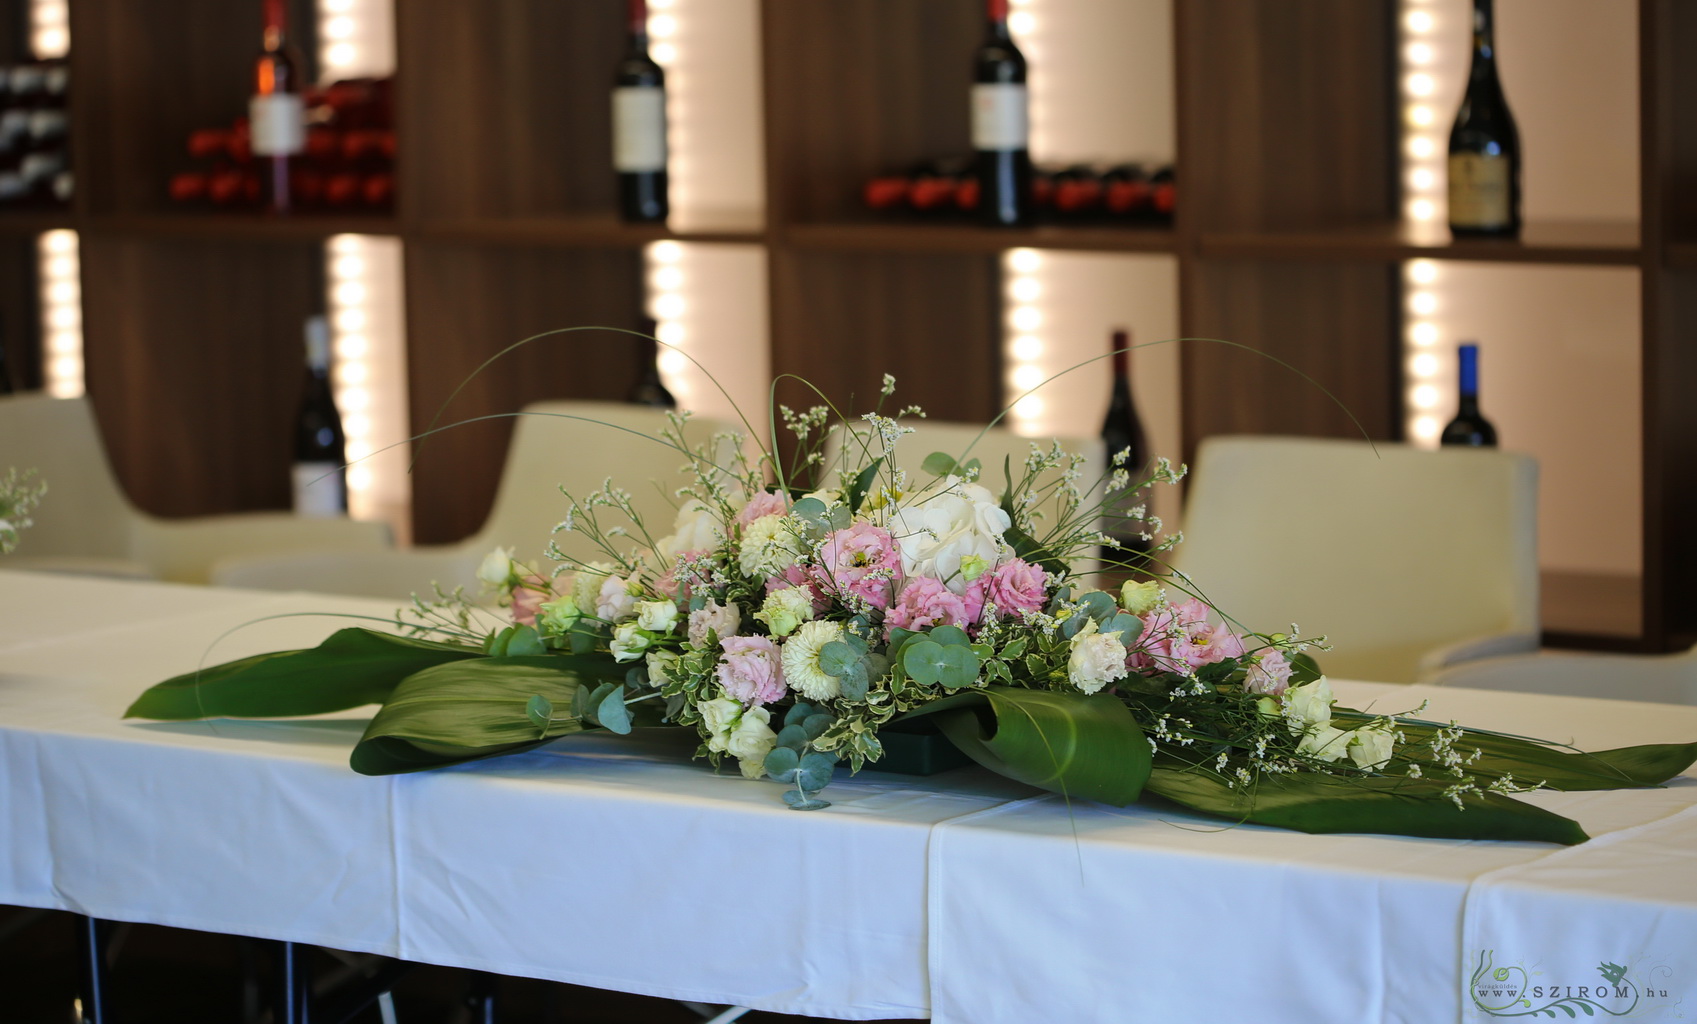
[1660,678]
[85,524]
[572,445]
[1406,560]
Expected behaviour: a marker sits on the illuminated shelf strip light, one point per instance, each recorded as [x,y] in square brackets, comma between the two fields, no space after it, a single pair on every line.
[357,39]
[666,266]
[368,370]
[60,269]
[666,263]
[1027,351]
[1424,62]
[49,29]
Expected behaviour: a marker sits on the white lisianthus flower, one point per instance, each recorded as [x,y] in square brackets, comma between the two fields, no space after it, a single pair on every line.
[744,733]
[629,641]
[1097,658]
[558,616]
[614,601]
[769,546]
[1370,746]
[1140,598]
[661,665]
[586,585]
[696,528]
[938,534]
[784,610]
[497,568]
[1308,707]
[722,619]
[656,616]
[800,655]
[1324,742]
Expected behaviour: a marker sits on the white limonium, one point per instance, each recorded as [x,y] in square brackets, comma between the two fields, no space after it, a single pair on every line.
[940,532]
[769,546]
[800,655]
[656,616]
[497,568]
[744,733]
[786,609]
[1097,658]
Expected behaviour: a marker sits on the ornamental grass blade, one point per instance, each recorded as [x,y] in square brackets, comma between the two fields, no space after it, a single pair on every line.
[1569,770]
[354,666]
[467,710]
[1084,746]
[1390,806]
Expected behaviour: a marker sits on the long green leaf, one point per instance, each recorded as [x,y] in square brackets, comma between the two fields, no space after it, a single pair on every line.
[354,666]
[1079,745]
[1310,802]
[1568,770]
[467,710]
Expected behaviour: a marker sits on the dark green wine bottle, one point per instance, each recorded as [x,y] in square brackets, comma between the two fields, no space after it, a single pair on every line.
[1484,149]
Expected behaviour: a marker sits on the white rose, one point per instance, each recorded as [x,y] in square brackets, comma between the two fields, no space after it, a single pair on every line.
[720,716]
[614,601]
[784,610]
[744,733]
[1324,742]
[1097,659]
[497,567]
[722,619]
[661,664]
[629,642]
[656,616]
[1370,746]
[936,535]
[1308,707]
[696,528]
[769,546]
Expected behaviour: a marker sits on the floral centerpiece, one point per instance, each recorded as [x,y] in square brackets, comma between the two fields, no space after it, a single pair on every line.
[19,494]
[801,611]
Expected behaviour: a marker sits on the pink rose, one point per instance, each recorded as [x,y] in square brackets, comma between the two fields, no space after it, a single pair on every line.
[528,597]
[1269,673]
[766,503]
[925,602]
[859,560]
[751,670]
[1014,587]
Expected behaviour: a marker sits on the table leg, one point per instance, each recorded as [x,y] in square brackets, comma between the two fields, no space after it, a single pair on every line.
[291,984]
[482,997]
[92,978]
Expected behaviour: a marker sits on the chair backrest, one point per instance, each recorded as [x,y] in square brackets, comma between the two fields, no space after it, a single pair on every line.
[1661,678]
[1389,554]
[578,446]
[84,513]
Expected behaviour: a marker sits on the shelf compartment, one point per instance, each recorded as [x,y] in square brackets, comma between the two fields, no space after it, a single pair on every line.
[909,236]
[587,231]
[1601,243]
[239,227]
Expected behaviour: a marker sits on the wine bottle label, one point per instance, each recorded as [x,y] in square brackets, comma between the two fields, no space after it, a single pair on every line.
[999,116]
[1479,190]
[14,124]
[320,490]
[639,129]
[277,122]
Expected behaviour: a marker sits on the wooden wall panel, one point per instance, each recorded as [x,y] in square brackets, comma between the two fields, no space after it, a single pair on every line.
[194,354]
[20,327]
[466,303]
[1670,454]
[1287,112]
[507,113]
[842,320]
[1334,322]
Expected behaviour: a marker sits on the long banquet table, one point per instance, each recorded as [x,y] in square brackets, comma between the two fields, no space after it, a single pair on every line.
[618,863]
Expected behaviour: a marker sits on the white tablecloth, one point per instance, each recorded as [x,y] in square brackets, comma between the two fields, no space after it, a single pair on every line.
[619,864]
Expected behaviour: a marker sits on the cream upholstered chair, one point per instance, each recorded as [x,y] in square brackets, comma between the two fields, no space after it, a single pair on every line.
[85,524]
[1407,560]
[570,445]
[1661,678]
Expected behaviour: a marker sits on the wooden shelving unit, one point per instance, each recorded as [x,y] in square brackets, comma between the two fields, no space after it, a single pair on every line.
[1288,237]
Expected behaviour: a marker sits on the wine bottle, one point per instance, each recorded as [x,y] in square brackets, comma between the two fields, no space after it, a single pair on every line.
[1469,427]
[1484,149]
[1122,433]
[1000,125]
[650,389]
[1126,191]
[639,125]
[1077,192]
[321,483]
[276,113]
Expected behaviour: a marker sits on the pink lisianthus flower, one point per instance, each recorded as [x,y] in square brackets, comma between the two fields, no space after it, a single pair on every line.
[1014,587]
[1269,673]
[1179,638]
[796,576]
[861,560]
[766,503]
[528,597]
[751,670]
[925,602]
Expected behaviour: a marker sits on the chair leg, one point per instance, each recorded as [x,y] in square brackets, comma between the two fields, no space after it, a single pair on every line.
[481,999]
[92,976]
[291,985]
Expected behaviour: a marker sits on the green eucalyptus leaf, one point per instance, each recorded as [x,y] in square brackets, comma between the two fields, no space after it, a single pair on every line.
[782,762]
[352,667]
[1098,606]
[949,636]
[940,464]
[837,658]
[583,636]
[1072,624]
[814,772]
[898,639]
[804,802]
[496,645]
[815,725]
[840,517]
[810,511]
[794,736]
[799,712]
[525,642]
[613,713]
[540,711]
[854,684]
[1128,626]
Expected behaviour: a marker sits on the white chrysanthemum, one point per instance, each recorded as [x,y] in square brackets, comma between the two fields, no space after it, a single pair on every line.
[769,546]
[800,655]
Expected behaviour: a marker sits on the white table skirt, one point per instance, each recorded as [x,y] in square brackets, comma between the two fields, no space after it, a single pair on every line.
[619,864]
